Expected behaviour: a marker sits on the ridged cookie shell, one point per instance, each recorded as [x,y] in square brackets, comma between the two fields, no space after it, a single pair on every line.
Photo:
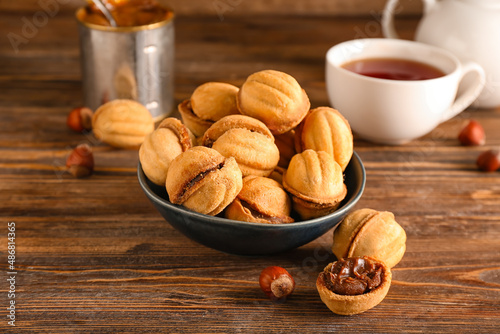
[275,98]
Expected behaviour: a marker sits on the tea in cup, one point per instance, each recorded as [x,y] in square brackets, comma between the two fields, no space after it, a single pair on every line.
[394,91]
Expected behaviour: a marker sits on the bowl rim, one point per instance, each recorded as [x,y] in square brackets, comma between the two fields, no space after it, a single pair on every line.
[221,220]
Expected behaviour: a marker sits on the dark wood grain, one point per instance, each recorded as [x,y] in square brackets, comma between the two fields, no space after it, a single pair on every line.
[230,8]
[94,256]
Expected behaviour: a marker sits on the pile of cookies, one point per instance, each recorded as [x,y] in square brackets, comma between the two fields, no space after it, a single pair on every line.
[257,153]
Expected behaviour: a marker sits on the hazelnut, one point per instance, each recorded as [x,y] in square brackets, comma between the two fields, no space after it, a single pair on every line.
[276,282]
[80,119]
[122,123]
[472,134]
[368,232]
[489,161]
[80,162]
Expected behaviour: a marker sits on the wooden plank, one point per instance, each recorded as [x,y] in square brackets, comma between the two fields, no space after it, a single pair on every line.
[227,8]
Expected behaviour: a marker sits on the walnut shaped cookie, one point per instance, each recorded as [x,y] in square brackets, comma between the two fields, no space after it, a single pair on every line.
[275,98]
[209,102]
[246,139]
[122,123]
[367,232]
[163,145]
[325,129]
[203,180]
[315,182]
[261,200]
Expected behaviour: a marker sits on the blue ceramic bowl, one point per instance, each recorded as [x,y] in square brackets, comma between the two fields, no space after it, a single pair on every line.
[244,238]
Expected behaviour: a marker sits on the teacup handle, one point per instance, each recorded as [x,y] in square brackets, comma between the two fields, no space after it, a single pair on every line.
[388,16]
[470,93]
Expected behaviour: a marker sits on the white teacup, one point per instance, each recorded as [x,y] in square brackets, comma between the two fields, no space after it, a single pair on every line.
[397,111]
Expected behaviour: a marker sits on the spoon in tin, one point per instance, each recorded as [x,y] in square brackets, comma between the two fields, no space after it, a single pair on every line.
[99,4]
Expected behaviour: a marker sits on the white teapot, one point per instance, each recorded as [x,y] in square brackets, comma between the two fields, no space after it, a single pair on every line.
[468,28]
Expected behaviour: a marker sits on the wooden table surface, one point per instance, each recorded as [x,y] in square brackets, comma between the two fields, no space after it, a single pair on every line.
[93,255]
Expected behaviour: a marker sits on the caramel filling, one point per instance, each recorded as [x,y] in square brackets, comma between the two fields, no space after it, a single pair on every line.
[128,13]
[259,215]
[353,276]
[199,177]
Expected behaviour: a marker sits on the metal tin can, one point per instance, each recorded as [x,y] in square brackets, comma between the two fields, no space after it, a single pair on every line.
[128,63]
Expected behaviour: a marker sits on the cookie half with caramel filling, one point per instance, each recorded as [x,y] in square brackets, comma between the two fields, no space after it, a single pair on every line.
[203,180]
[261,200]
[353,285]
